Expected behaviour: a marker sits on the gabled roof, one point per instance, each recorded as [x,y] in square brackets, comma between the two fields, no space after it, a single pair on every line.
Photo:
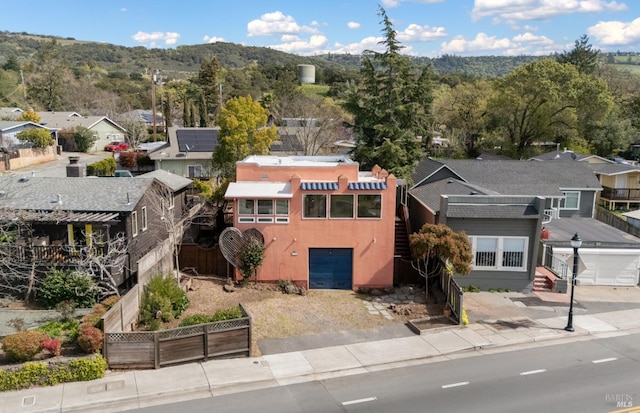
[188,143]
[429,194]
[71,194]
[524,178]
[63,120]
[427,168]
[567,155]
[7,125]
[173,181]
[144,115]
[610,169]
[10,112]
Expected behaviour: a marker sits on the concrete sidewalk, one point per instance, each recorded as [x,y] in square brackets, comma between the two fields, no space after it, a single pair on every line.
[134,389]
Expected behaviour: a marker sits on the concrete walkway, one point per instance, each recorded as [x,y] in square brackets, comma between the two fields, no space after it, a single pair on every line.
[134,389]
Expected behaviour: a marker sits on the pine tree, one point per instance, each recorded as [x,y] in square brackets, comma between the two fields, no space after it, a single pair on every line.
[390,107]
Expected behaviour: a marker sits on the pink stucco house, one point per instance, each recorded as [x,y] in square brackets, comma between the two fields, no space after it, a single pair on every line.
[325,223]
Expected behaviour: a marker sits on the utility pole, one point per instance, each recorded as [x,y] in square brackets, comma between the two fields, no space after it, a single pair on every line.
[154,78]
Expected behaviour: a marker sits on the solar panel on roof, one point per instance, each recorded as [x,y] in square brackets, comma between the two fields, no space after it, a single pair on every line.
[197,140]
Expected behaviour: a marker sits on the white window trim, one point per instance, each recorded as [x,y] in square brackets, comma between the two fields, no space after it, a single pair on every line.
[563,201]
[134,224]
[498,267]
[195,166]
[144,218]
[172,202]
[263,218]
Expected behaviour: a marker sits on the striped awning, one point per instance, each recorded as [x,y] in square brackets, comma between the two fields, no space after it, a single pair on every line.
[367,185]
[319,186]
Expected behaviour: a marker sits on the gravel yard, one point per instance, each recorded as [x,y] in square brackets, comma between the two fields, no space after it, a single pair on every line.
[275,314]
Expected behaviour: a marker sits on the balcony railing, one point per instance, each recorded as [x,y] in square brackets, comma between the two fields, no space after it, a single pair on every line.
[55,254]
[620,194]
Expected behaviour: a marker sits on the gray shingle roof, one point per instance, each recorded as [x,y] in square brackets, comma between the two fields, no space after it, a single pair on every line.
[65,120]
[613,168]
[429,194]
[525,178]
[173,181]
[564,156]
[76,194]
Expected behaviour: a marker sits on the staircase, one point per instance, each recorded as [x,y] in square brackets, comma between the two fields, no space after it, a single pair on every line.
[402,248]
[542,282]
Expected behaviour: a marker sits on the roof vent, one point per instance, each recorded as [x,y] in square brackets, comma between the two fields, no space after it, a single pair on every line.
[23,179]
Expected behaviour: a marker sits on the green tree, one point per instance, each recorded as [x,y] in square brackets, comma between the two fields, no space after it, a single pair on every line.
[208,82]
[251,258]
[12,63]
[243,132]
[29,116]
[167,105]
[434,243]
[39,137]
[202,112]
[582,56]
[186,112]
[390,107]
[545,101]
[49,77]
[83,138]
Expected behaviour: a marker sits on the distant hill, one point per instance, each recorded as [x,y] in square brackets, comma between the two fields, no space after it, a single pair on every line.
[184,60]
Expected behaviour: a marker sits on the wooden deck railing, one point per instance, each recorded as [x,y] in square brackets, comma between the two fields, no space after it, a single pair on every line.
[619,194]
[61,254]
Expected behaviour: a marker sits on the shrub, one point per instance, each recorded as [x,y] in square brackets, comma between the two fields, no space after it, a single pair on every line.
[228,314]
[83,139]
[195,319]
[105,167]
[60,285]
[162,298]
[63,330]
[128,159]
[39,137]
[51,346]
[90,338]
[23,345]
[465,318]
[110,301]
[40,374]
[93,319]
[67,309]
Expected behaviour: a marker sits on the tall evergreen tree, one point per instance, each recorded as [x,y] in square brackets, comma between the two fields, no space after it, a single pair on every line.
[208,82]
[186,113]
[390,107]
[202,111]
[582,56]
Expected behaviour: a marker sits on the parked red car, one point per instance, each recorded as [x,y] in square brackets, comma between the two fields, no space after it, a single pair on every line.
[116,146]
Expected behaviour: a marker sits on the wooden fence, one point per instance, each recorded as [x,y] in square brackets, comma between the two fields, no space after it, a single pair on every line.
[123,316]
[156,349]
[203,260]
[453,293]
[609,218]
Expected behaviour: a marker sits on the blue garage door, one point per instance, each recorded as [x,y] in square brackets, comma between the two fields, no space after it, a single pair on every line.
[330,268]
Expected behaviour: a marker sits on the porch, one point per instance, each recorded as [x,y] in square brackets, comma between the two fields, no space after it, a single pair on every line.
[620,198]
[50,254]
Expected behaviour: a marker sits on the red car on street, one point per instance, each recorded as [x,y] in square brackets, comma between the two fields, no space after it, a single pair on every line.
[116,146]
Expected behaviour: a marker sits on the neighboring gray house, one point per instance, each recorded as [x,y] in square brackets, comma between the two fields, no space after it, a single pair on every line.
[188,152]
[503,205]
[144,116]
[70,208]
[9,129]
[10,113]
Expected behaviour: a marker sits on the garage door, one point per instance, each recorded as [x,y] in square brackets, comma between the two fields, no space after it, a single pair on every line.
[330,268]
[615,267]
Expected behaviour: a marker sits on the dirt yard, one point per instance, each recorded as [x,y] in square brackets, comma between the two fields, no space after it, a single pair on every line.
[275,314]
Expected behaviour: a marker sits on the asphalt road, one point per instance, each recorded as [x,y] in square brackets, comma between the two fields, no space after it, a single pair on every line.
[587,376]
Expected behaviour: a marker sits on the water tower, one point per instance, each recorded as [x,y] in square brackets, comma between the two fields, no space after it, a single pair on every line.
[307,73]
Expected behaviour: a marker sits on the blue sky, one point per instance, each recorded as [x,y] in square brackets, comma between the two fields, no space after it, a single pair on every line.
[425,27]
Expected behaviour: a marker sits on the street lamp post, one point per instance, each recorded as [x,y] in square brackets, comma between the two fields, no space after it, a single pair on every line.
[576,242]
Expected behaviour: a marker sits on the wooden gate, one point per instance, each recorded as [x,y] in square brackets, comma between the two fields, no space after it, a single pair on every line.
[203,260]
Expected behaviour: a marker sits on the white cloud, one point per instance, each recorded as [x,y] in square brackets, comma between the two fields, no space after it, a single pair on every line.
[353,25]
[123,9]
[169,38]
[460,45]
[368,43]
[616,32]
[395,3]
[516,10]
[276,23]
[212,39]
[315,45]
[417,33]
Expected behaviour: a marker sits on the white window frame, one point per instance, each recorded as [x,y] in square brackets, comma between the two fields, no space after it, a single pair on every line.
[172,202]
[134,224]
[263,218]
[144,218]
[499,253]
[357,206]
[563,201]
[196,168]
